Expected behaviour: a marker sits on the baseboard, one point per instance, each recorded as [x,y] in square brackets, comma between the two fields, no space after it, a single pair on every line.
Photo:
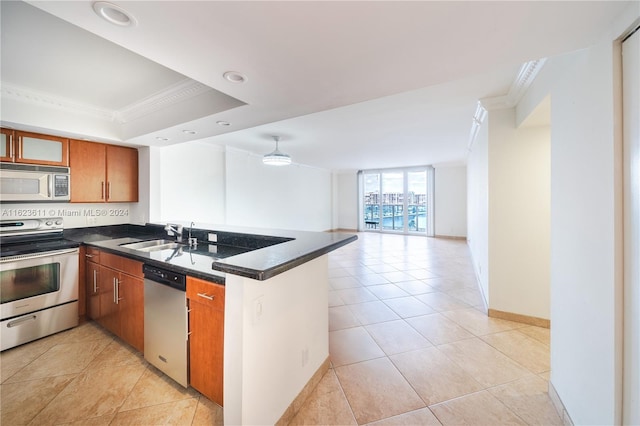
[525,319]
[342,230]
[559,406]
[451,237]
[295,406]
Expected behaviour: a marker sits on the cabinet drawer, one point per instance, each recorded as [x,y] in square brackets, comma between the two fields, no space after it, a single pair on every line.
[205,292]
[92,254]
[122,264]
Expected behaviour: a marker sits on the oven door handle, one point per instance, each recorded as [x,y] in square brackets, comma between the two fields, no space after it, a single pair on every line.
[38,255]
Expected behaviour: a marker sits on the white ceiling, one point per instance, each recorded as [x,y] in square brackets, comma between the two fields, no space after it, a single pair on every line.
[348,85]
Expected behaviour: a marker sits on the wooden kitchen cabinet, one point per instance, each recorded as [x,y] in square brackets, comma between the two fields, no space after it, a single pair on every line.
[6,145]
[115,293]
[109,312]
[92,282]
[206,337]
[131,310]
[88,162]
[33,148]
[103,173]
[92,286]
[122,174]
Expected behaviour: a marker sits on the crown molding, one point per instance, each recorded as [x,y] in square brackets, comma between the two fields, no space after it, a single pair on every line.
[174,94]
[521,83]
[478,119]
[527,73]
[42,99]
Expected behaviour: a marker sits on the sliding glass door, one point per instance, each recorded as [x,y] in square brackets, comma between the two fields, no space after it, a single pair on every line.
[393,201]
[397,200]
[417,201]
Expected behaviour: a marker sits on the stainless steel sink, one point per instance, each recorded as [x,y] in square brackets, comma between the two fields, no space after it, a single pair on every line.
[153,245]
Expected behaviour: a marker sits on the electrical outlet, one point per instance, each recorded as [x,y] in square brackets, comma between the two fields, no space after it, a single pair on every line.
[212,237]
[257,309]
[92,220]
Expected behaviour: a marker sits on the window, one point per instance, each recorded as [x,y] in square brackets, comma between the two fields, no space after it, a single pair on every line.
[398,200]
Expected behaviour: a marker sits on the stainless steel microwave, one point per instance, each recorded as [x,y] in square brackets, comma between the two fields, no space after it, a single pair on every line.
[27,182]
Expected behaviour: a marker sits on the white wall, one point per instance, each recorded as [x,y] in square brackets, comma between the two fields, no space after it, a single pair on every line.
[584,242]
[148,201]
[519,216]
[347,201]
[631,136]
[450,201]
[200,182]
[293,197]
[192,183]
[586,285]
[478,208]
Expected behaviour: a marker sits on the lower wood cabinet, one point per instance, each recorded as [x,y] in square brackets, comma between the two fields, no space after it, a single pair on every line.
[92,282]
[114,287]
[115,295]
[206,337]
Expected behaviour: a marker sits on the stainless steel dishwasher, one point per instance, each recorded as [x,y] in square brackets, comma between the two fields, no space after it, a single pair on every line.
[166,322]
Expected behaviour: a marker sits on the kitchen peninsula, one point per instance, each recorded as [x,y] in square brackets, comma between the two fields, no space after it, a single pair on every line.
[275,304]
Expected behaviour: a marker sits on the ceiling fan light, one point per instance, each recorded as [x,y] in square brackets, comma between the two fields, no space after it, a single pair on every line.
[277,157]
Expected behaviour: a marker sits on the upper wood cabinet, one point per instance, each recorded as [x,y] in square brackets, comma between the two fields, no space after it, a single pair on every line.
[6,145]
[33,148]
[122,174]
[103,173]
[88,162]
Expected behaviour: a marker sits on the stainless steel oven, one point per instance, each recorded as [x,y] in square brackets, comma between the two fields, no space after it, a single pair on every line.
[39,281]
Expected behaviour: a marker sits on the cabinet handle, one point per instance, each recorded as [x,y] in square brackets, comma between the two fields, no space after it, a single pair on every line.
[19,146]
[206,296]
[118,298]
[88,255]
[102,196]
[115,286]
[95,281]
[11,146]
[108,190]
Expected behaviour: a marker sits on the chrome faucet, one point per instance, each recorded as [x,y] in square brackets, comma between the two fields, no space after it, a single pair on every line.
[173,229]
[193,242]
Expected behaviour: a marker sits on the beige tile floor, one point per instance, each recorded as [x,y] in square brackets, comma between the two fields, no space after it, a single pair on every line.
[409,344]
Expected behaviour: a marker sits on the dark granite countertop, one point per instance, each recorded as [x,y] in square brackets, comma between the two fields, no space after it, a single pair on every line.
[259,254]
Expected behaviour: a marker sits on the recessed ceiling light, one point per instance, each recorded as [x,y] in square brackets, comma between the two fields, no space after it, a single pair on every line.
[223,123]
[160,138]
[189,132]
[234,77]
[114,14]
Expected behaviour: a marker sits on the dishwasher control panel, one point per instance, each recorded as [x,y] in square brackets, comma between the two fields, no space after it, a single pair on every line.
[163,276]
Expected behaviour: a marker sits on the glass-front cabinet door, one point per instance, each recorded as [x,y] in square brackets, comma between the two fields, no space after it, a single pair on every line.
[35,148]
[6,145]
